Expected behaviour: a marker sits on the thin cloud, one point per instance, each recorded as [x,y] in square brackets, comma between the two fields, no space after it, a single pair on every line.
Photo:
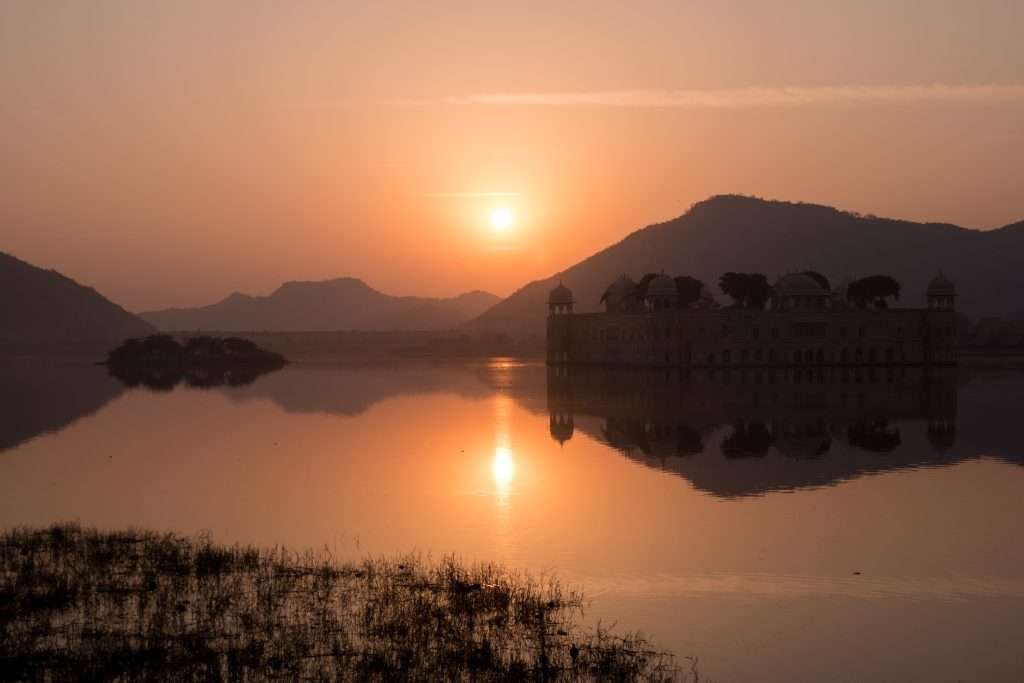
[472,195]
[753,97]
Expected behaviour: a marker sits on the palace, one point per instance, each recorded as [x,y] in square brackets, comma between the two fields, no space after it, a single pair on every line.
[805,323]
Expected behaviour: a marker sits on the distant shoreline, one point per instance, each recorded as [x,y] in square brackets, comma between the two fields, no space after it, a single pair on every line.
[360,346]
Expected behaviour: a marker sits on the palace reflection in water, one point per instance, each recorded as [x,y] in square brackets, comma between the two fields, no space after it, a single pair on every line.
[746,432]
[697,507]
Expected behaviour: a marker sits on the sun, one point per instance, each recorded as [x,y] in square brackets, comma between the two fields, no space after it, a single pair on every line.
[501,218]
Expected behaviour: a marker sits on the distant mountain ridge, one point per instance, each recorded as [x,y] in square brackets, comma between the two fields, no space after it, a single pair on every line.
[41,307]
[340,304]
[737,233]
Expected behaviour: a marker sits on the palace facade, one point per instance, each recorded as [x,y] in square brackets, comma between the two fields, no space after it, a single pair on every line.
[805,324]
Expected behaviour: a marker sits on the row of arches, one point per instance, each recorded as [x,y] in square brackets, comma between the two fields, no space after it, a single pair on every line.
[809,356]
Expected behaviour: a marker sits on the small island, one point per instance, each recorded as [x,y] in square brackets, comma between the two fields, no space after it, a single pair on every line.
[161,362]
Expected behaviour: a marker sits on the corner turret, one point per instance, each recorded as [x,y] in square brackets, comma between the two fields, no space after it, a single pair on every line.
[560,301]
[941,294]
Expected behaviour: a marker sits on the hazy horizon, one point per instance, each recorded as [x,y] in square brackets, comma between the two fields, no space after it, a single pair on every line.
[168,155]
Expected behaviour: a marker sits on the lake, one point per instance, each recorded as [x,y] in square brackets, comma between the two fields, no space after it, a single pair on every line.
[832,525]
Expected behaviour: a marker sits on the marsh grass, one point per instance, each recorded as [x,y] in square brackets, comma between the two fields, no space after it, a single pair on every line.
[79,604]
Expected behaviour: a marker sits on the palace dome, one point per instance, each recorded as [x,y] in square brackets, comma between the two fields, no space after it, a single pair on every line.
[623,286]
[662,285]
[803,447]
[798,284]
[941,286]
[560,295]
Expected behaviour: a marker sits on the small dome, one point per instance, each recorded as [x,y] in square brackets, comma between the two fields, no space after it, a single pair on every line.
[798,284]
[941,286]
[560,295]
[623,285]
[662,285]
[618,290]
[561,428]
[804,447]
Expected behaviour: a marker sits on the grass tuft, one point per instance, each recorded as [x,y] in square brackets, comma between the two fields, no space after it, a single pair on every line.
[80,604]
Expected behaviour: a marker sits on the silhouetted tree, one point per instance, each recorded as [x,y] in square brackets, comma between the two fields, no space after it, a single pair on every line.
[874,435]
[239,345]
[689,441]
[157,348]
[747,290]
[643,284]
[689,289]
[758,291]
[747,440]
[873,290]
[204,347]
[160,362]
[733,285]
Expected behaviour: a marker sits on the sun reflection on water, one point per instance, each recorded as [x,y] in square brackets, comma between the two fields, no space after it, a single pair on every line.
[503,469]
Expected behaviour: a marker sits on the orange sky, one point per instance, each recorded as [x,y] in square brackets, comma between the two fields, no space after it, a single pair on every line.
[170,153]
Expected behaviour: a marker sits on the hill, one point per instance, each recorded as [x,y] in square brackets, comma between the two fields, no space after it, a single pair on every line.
[341,304]
[42,307]
[737,233]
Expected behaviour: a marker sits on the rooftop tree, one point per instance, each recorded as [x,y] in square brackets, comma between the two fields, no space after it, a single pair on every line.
[689,289]
[747,290]
[874,290]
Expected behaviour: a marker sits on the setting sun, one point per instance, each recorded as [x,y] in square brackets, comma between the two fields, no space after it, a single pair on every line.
[501,218]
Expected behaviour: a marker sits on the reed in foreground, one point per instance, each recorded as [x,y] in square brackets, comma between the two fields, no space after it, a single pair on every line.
[82,604]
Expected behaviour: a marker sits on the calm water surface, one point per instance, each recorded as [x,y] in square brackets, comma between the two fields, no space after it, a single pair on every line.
[779,526]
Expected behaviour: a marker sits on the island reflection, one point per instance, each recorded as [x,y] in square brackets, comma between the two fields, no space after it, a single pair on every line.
[166,379]
[743,433]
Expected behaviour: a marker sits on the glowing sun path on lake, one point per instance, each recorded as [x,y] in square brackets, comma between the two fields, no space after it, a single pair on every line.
[503,464]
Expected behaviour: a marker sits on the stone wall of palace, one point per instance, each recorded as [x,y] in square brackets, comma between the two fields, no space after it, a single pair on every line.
[736,338]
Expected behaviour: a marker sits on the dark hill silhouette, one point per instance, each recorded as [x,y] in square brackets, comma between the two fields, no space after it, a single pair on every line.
[43,307]
[745,234]
[341,304]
